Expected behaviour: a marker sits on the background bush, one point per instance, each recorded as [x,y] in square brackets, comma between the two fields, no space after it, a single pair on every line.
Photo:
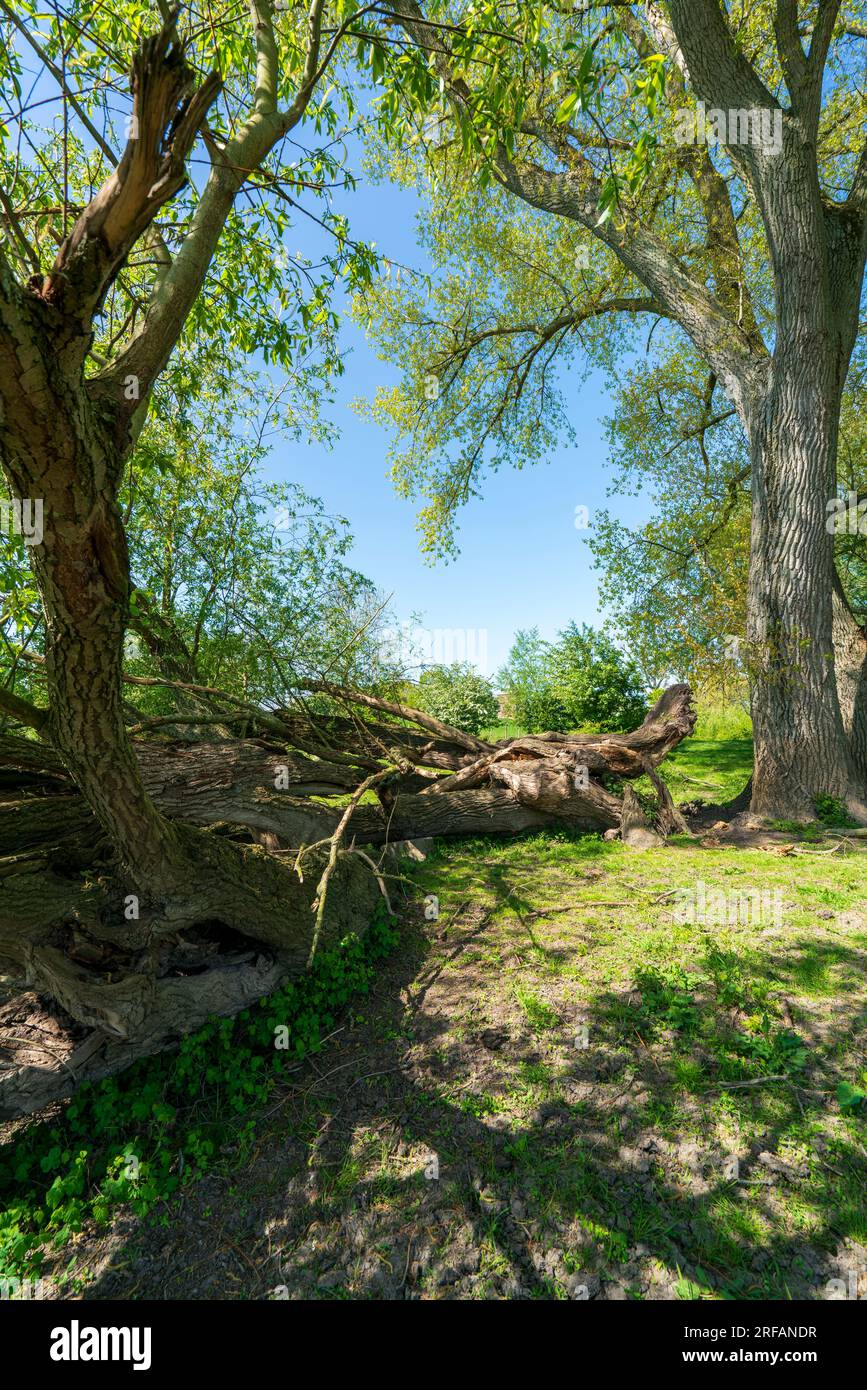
[458,696]
[581,681]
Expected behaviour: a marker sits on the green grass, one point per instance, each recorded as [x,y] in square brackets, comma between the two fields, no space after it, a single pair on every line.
[722,722]
[538,1012]
[504,728]
[710,770]
[679,1016]
[570,1014]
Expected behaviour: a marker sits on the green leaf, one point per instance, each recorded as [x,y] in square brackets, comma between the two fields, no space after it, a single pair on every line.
[850,1097]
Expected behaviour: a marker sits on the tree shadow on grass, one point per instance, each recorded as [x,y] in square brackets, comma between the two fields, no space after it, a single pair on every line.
[394,1169]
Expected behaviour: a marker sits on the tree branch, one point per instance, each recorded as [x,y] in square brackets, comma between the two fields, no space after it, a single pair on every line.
[173,297]
[95,135]
[31,716]
[166,117]
[792,56]
[574,194]
[723,243]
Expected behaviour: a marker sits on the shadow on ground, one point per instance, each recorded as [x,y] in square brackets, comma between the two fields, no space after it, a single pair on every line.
[439,1148]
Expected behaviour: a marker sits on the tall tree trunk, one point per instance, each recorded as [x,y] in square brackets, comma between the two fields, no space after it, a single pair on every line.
[817,253]
[82,570]
[802,750]
[84,581]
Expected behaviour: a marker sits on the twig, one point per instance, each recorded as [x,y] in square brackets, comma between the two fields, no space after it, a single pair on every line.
[377,875]
[756,1081]
[648,1051]
[574,907]
[322,889]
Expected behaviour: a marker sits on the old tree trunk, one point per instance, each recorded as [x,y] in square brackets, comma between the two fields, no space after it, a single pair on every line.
[806,651]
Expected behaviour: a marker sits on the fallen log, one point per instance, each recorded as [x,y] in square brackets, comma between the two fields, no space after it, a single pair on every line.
[120,978]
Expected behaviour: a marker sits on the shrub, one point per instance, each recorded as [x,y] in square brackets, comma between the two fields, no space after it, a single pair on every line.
[582,680]
[458,696]
[592,678]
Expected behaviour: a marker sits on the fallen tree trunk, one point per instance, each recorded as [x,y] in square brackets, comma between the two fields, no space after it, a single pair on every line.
[86,1008]
[105,976]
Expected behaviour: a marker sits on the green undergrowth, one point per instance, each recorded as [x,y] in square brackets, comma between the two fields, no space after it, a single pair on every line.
[831,814]
[139,1137]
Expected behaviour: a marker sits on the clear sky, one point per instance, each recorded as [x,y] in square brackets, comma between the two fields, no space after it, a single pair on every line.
[523,563]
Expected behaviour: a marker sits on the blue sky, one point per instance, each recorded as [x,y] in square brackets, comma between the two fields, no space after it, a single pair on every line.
[523,563]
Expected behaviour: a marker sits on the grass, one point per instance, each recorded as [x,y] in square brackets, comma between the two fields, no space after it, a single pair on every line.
[615,1096]
[504,728]
[709,770]
[678,1016]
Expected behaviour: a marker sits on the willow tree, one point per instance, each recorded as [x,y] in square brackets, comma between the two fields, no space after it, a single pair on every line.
[74,388]
[151,165]
[694,163]
[677,584]
[169,855]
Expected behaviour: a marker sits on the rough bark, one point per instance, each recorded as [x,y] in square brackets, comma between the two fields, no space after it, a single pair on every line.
[91,1003]
[801,747]
[791,411]
[850,667]
[125,982]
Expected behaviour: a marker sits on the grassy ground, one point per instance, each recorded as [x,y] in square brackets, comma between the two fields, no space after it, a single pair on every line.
[619,1040]
[710,770]
[560,1087]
